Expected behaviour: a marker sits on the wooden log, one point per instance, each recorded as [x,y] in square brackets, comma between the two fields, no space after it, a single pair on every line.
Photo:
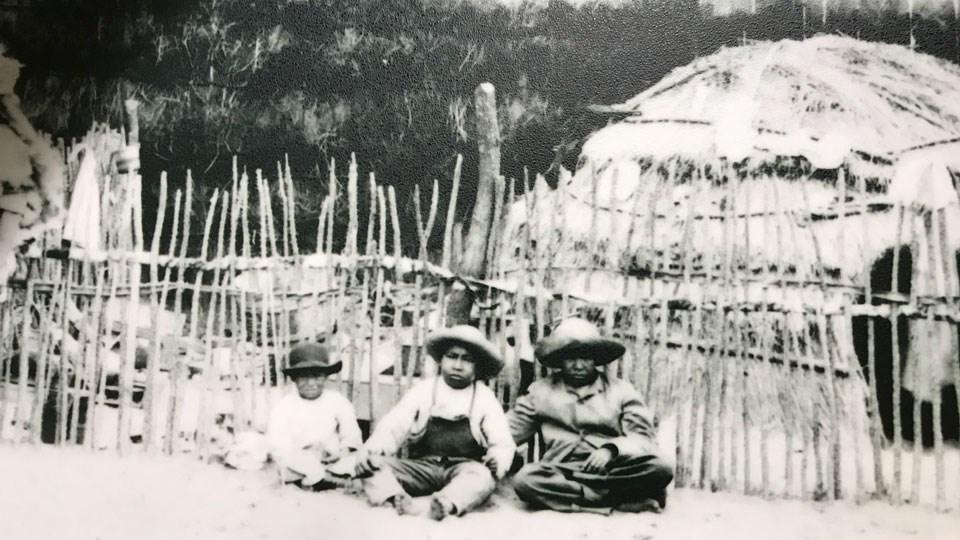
[497,231]
[423,234]
[539,271]
[895,350]
[488,142]
[845,315]
[805,408]
[919,278]
[92,360]
[291,200]
[946,286]
[253,371]
[796,415]
[731,270]
[234,319]
[284,213]
[374,375]
[499,301]
[266,297]
[397,309]
[211,380]
[63,361]
[320,246]
[872,387]
[179,373]
[44,371]
[23,367]
[451,213]
[738,428]
[369,248]
[834,409]
[681,454]
[950,282]
[281,325]
[78,367]
[158,301]
[592,235]
[332,197]
[710,372]
[6,348]
[520,320]
[350,247]
[696,383]
[416,352]
[823,478]
[195,299]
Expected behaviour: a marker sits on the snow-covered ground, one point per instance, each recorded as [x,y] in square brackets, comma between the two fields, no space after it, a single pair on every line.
[70,493]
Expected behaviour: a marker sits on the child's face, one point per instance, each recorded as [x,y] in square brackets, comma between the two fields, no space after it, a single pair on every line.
[457,367]
[310,386]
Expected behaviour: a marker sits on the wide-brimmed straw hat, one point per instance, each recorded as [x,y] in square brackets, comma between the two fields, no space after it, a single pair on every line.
[486,359]
[306,358]
[577,338]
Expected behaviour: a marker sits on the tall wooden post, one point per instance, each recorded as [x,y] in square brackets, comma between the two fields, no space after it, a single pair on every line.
[473,261]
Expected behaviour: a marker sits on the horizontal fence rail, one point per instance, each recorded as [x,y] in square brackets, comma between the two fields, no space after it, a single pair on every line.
[772,366]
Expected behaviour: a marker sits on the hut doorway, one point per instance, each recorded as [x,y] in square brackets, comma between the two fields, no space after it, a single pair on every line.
[881,280]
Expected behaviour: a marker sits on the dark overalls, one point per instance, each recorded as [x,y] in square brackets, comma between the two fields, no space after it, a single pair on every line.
[444,458]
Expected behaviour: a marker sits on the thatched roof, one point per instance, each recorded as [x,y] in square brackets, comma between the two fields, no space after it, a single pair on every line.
[735,159]
[825,98]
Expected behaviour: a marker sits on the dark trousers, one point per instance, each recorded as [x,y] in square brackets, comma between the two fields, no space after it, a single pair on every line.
[564,488]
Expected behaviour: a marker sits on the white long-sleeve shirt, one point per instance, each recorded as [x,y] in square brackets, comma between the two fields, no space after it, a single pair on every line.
[488,423]
[328,424]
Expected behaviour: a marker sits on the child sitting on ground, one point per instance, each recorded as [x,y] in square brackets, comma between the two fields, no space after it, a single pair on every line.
[312,432]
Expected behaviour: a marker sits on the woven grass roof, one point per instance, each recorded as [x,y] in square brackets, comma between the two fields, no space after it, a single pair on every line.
[780,119]
[825,98]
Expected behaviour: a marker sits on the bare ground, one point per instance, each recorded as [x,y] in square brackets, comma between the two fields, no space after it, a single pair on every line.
[65,493]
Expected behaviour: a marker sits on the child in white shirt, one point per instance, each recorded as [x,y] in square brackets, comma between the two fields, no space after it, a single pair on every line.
[312,430]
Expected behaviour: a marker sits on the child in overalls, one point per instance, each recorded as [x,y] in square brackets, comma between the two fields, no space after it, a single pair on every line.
[453,427]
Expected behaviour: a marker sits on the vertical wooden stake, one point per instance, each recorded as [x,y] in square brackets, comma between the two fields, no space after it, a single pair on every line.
[451,213]
[153,368]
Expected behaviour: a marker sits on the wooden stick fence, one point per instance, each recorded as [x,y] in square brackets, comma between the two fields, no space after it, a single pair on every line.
[752,385]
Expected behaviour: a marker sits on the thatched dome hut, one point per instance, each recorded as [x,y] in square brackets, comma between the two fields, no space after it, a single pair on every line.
[765,128]
[772,170]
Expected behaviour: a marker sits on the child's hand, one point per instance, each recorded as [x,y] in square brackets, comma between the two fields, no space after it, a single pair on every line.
[490,463]
[366,464]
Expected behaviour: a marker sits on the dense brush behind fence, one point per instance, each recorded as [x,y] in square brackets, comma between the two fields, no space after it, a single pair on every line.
[751,374]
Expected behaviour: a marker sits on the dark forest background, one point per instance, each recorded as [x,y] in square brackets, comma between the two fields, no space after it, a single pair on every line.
[389,80]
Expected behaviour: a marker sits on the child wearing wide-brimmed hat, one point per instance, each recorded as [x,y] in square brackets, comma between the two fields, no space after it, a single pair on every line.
[599,440]
[453,428]
[312,430]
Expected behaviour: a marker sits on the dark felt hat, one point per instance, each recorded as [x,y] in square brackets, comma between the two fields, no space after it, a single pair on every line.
[306,358]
